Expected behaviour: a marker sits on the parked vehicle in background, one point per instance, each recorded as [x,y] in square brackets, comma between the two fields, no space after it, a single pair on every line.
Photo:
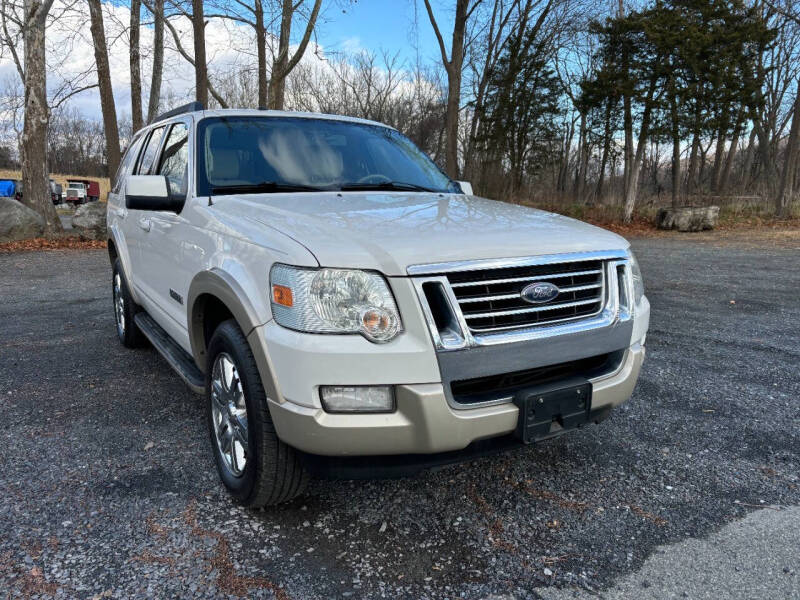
[8,188]
[85,190]
[80,192]
[56,192]
[76,192]
[348,309]
[92,191]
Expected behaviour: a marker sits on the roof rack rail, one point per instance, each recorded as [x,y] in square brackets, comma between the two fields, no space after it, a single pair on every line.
[190,107]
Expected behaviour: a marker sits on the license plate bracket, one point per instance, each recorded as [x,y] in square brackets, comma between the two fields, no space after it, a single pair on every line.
[549,408]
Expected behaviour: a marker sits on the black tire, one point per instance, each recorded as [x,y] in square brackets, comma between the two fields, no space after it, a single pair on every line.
[273,472]
[127,331]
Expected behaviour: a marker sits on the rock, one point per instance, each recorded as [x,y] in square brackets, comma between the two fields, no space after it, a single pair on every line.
[90,221]
[688,218]
[18,222]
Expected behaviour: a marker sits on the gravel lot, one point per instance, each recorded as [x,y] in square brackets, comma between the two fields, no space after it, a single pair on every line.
[108,487]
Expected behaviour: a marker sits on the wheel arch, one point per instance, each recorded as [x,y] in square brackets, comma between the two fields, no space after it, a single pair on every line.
[215,296]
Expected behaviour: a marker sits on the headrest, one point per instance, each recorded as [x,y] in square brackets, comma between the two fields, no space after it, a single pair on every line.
[224,165]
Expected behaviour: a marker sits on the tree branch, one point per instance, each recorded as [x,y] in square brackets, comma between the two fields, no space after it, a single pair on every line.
[438,33]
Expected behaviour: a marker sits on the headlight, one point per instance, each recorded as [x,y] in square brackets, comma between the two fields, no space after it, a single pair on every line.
[334,301]
[636,275]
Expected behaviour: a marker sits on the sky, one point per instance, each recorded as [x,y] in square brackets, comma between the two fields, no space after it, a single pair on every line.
[344,26]
[387,24]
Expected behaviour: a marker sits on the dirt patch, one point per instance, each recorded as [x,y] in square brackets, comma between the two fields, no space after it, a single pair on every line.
[60,243]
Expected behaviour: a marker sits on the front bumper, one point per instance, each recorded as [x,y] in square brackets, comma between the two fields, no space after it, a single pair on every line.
[293,365]
[424,422]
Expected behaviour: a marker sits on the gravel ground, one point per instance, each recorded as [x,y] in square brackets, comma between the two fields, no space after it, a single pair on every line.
[108,487]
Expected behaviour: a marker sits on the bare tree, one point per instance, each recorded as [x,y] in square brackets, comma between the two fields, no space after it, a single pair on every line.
[453,65]
[283,64]
[200,65]
[136,66]
[785,195]
[158,59]
[35,173]
[104,82]
[203,85]
[492,40]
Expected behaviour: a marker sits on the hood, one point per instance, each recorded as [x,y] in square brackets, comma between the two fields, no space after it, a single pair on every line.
[390,231]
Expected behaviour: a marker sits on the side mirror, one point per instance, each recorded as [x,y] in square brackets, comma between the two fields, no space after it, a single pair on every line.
[466,187]
[150,192]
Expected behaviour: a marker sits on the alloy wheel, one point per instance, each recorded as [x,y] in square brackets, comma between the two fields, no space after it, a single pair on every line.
[229,414]
[119,305]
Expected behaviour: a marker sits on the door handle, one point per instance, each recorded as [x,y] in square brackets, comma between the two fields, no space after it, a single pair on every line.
[144,223]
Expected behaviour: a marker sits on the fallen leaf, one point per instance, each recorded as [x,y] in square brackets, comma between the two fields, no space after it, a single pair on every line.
[148,445]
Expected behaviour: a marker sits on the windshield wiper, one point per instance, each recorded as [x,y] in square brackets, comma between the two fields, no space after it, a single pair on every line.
[264,187]
[386,186]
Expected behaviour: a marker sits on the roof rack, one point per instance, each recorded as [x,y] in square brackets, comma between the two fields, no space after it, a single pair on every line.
[190,107]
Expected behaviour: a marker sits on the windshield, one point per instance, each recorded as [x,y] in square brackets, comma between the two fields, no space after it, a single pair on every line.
[276,154]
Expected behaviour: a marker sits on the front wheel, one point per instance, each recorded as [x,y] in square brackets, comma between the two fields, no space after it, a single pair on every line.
[254,464]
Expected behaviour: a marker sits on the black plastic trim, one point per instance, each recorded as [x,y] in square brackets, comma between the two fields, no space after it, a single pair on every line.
[180,360]
[408,465]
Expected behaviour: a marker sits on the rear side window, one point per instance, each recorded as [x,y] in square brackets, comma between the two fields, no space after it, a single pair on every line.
[175,160]
[125,165]
[150,152]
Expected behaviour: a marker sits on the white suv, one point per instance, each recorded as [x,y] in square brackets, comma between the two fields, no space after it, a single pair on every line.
[348,310]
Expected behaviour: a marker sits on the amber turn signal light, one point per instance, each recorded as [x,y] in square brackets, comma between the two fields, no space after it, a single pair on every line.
[282,295]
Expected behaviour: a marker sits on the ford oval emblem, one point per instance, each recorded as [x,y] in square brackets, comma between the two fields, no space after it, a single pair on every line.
[540,292]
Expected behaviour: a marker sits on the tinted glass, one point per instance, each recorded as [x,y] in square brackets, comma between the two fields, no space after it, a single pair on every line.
[316,153]
[125,165]
[175,160]
[150,151]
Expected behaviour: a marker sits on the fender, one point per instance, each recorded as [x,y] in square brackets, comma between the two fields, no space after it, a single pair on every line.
[225,288]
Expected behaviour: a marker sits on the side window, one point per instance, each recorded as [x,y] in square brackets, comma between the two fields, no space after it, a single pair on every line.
[175,160]
[150,152]
[125,165]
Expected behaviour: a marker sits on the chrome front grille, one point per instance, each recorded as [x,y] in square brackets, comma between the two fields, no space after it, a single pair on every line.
[490,299]
[480,303]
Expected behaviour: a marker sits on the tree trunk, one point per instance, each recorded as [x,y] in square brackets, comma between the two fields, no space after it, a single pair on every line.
[261,50]
[581,160]
[676,147]
[628,129]
[606,149]
[725,178]
[200,66]
[694,159]
[453,66]
[277,81]
[451,122]
[35,172]
[104,84]
[136,68]
[719,155]
[158,60]
[749,158]
[785,195]
[632,186]
[283,65]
